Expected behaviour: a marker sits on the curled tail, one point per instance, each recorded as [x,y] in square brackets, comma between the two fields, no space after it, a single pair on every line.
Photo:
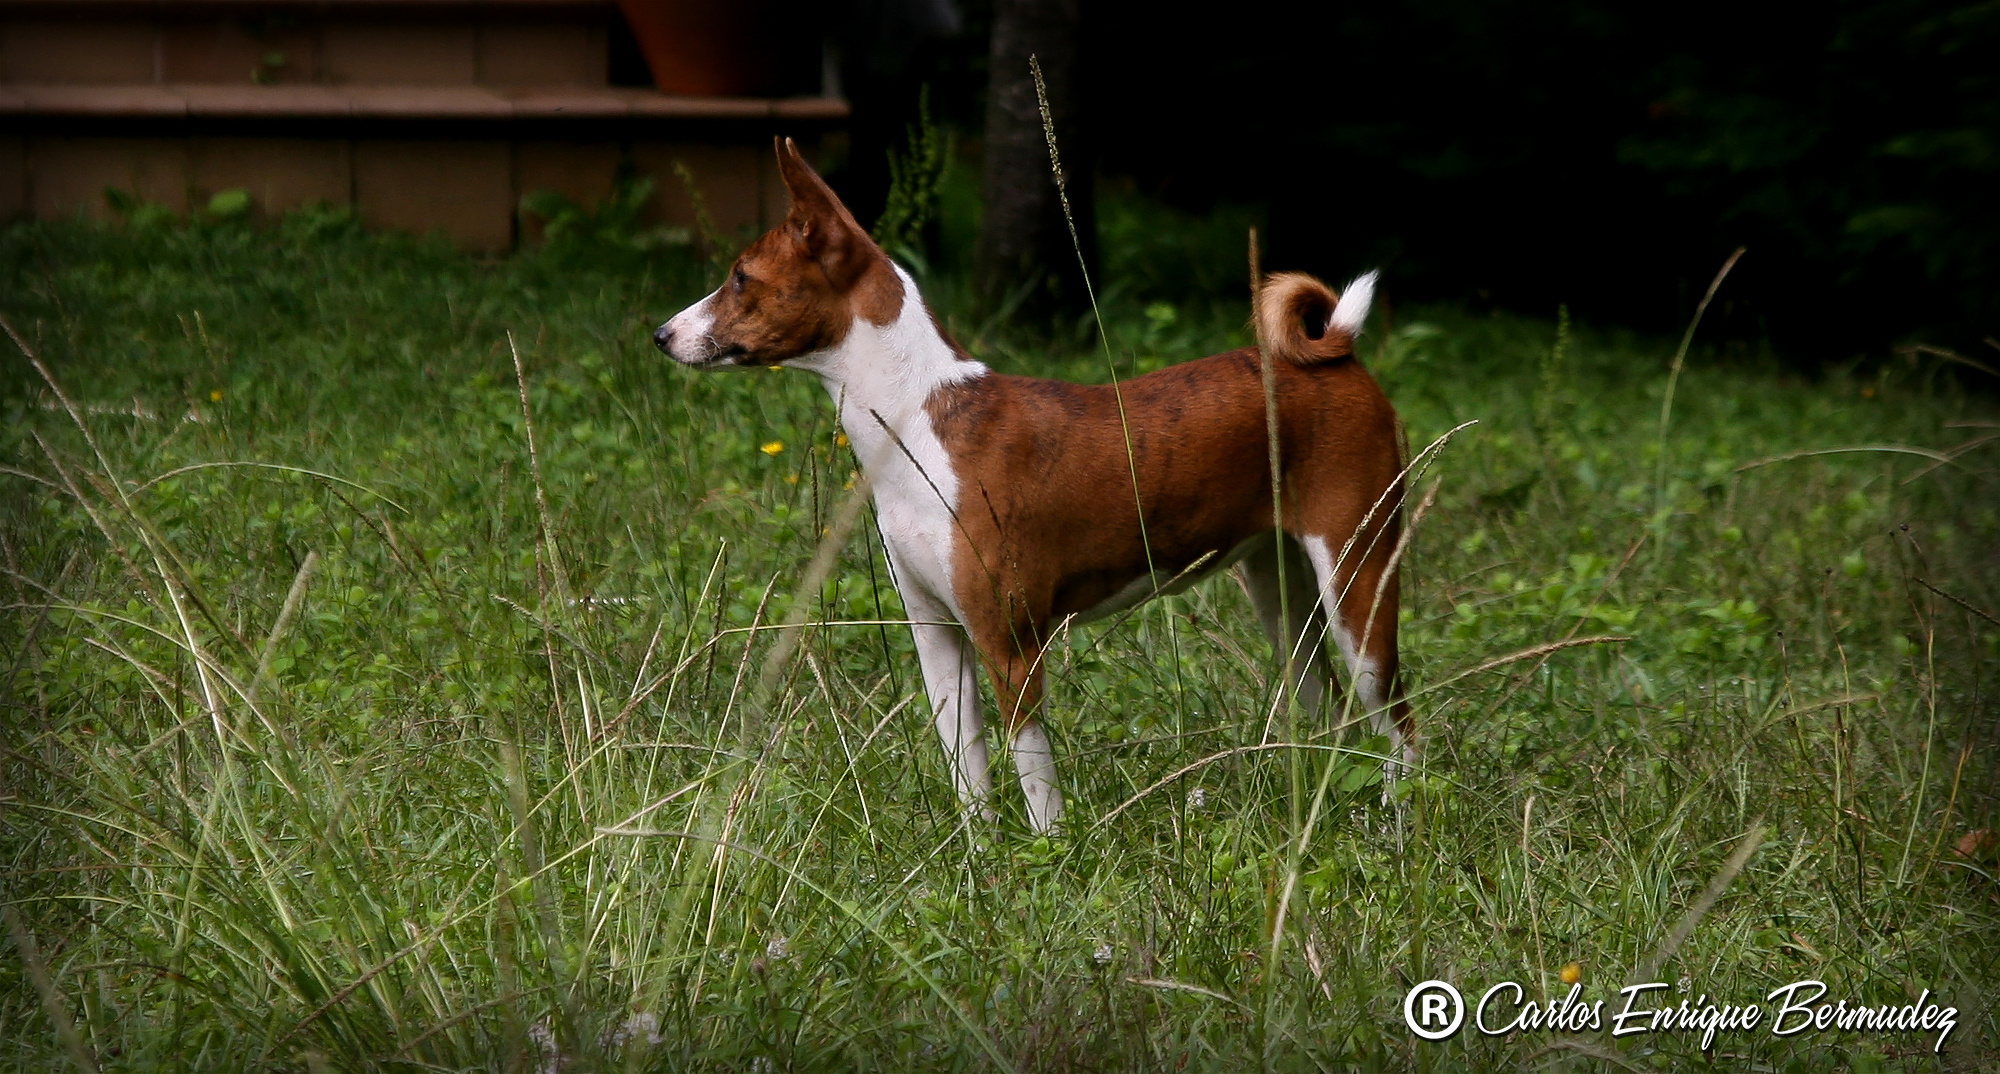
[1301,320]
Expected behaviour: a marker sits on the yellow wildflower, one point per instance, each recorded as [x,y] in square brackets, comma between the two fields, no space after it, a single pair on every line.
[215,396]
[840,440]
[773,448]
[1572,973]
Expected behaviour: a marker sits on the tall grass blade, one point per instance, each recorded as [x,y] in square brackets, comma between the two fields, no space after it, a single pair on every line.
[1649,967]
[1674,375]
[45,988]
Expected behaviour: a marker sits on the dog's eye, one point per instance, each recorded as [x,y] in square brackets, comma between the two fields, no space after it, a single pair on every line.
[737,279]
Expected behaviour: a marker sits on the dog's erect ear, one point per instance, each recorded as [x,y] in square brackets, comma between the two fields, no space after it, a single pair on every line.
[819,221]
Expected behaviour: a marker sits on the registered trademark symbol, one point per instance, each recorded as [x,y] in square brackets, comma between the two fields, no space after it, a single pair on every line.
[1434,1010]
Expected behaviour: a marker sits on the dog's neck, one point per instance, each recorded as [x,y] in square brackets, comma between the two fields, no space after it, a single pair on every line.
[888,372]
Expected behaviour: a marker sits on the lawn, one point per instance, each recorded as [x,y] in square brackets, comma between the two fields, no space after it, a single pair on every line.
[408,669]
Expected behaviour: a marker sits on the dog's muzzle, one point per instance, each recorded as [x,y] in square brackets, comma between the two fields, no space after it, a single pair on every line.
[693,349]
[665,338]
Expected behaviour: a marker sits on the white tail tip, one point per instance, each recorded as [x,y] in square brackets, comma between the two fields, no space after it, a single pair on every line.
[1352,310]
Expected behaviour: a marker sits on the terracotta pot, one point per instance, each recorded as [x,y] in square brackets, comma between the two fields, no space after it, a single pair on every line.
[715,48]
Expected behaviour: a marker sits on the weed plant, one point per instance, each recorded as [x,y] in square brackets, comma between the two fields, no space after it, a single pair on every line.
[410,669]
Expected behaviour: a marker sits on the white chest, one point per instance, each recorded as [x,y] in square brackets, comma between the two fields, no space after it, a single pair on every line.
[881,377]
[916,495]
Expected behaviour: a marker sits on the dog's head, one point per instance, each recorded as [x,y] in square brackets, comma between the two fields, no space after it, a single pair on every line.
[795,291]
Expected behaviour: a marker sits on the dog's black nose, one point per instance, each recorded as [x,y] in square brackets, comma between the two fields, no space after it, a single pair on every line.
[663,338]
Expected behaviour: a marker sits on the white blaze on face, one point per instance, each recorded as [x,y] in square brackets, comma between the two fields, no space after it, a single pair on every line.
[691,328]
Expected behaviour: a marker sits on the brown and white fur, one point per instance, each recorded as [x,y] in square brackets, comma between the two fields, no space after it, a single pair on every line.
[1008,504]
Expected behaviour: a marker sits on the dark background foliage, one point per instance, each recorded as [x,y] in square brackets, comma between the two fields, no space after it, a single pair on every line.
[1526,153]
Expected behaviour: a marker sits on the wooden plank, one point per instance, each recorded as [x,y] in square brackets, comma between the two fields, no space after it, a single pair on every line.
[400,102]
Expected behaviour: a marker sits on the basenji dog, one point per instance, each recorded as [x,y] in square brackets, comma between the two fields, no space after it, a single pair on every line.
[1010,505]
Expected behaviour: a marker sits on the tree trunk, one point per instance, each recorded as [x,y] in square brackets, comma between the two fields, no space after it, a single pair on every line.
[1025,253]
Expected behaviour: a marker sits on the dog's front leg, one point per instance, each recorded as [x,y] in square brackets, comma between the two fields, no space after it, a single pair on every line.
[951,682]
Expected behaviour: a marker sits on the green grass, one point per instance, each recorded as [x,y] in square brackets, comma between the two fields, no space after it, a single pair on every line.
[521,775]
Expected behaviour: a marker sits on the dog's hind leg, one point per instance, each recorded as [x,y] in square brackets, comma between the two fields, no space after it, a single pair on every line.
[1291,615]
[1362,606]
